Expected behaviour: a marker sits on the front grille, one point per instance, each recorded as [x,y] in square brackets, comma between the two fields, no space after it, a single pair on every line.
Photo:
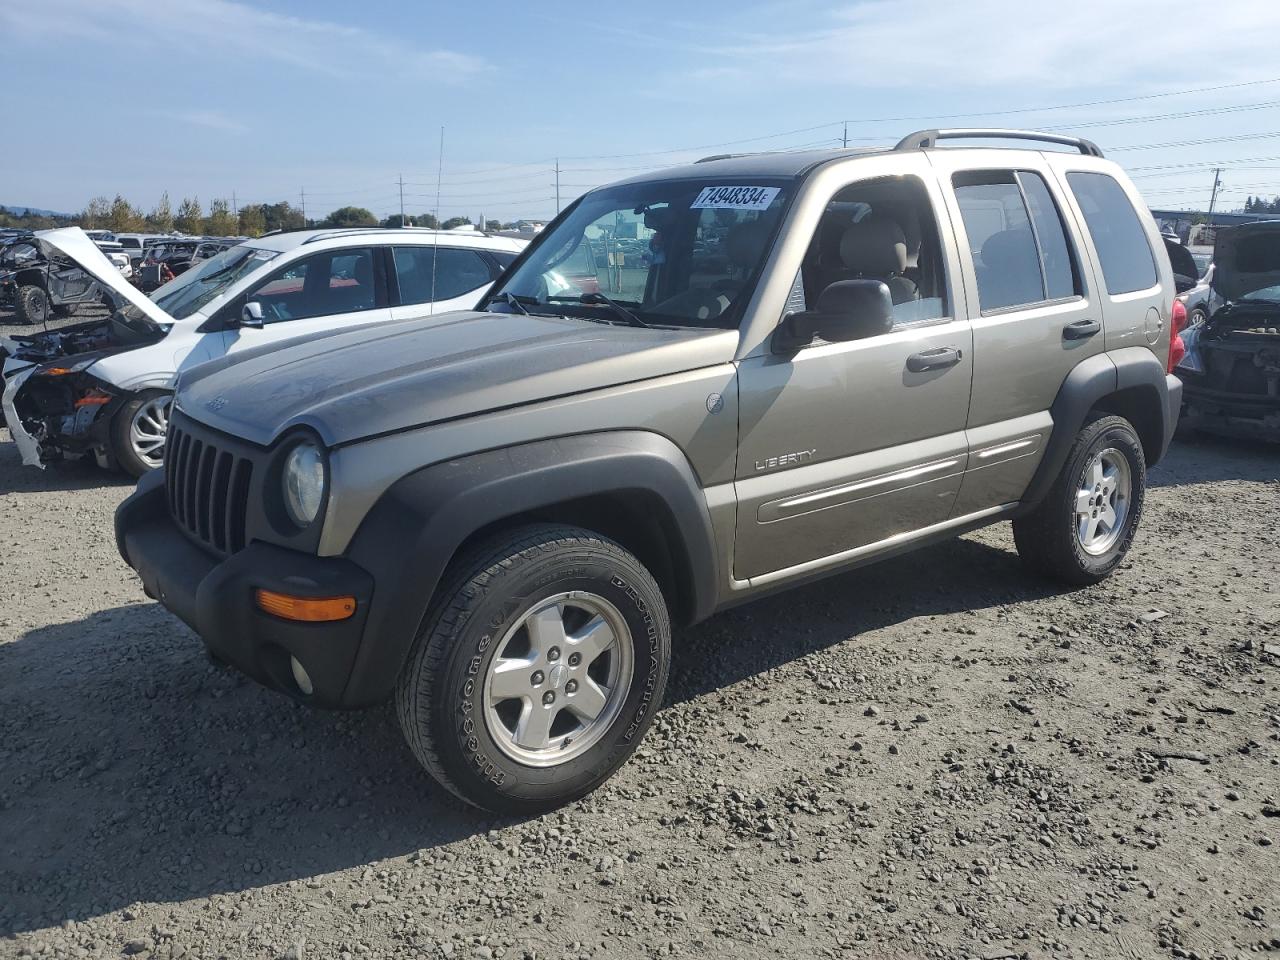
[208,488]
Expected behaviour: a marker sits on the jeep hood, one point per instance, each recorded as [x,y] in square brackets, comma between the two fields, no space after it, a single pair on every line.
[361,382]
[74,243]
[1246,258]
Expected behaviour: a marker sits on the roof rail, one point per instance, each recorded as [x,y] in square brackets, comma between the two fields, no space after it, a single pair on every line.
[924,139]
[332,232]
[719,156]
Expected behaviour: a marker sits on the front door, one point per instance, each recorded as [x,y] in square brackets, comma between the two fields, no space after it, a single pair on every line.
[847,445]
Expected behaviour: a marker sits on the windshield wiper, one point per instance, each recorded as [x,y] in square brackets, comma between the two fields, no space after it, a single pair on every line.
[513,301]
[600,299]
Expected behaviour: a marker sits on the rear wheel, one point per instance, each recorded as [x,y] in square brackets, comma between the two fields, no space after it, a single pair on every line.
[31,305]
[1083,528]
[138,432]
[538,671]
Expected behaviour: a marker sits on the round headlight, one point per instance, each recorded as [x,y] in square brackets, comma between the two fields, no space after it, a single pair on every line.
[304,482]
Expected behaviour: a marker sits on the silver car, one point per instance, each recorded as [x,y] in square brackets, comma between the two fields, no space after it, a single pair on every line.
[813,361]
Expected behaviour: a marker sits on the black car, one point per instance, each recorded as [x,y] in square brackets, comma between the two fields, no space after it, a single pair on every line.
[165,260]
[1231,371]
[35,287]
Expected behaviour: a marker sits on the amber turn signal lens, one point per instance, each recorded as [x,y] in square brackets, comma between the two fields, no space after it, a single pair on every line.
[305,609]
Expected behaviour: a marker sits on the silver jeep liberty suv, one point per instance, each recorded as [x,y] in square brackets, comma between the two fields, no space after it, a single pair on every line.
[695,387]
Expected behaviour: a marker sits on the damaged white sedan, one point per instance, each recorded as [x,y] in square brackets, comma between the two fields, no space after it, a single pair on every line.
[103,388]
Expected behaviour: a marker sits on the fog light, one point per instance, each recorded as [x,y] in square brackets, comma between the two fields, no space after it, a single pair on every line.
[301,677]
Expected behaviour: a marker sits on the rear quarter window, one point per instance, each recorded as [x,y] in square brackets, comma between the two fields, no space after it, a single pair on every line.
[1123,250]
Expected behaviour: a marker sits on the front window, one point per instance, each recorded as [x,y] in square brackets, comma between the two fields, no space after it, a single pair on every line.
[669,253]
[188,293]
[325,284]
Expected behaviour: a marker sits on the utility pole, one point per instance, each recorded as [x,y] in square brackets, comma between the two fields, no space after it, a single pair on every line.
[402,199]
[302,194]
[846,134]
[235,210]
[1213,197]
[557,186]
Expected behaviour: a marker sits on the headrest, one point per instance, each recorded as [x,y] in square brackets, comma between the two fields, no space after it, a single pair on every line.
[745,243]
[363,271]
[1009,249]
[874,247]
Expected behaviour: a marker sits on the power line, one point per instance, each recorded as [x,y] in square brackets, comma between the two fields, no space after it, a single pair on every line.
[1195,143]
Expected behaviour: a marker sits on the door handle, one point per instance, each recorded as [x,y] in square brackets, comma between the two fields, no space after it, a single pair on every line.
[1081,330]
[938,359]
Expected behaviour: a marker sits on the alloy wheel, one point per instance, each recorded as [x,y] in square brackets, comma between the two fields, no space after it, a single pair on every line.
[1103,501]
[558,679]
[148,429]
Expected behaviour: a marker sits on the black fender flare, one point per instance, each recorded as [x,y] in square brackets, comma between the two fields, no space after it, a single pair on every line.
[415,528]
[1088,386]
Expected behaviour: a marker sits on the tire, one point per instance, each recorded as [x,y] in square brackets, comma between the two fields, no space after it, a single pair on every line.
[448,696]
[132,423]
[1055,539]
[31,305]
[1196,316]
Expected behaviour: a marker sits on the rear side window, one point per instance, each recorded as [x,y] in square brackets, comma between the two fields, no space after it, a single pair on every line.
[455,272]
[1123,251]
[1020,250]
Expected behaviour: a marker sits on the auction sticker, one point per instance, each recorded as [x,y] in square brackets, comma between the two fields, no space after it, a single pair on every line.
[735,198]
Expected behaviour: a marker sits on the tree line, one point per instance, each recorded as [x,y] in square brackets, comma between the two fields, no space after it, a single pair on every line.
[1259,205]
[251,220]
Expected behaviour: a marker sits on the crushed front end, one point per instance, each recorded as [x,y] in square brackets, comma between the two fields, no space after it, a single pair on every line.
[52,403]
[1231,374]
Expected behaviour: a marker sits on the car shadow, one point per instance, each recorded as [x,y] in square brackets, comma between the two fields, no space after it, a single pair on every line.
[136,770]
[752,639]
[69,475]
[1205,458]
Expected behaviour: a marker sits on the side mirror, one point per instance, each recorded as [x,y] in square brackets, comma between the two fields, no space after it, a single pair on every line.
[251,315]
[846,310]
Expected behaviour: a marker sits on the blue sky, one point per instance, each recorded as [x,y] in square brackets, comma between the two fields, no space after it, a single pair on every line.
[207,97]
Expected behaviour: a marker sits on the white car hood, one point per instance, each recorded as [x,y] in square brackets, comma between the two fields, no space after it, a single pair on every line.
[76,244]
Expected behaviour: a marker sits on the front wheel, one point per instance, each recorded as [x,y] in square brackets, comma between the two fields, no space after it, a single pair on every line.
[540,666]
[1086,524]
[138,432]
[31,305]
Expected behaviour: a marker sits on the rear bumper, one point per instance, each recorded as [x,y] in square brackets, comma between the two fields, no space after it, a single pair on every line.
[1250,416]
[215,597]
[1173,410]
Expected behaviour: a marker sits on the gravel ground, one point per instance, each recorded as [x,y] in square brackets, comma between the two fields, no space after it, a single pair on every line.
[937,757]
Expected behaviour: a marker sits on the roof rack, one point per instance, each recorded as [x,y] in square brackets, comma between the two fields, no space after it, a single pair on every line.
[331,232]
[924,139]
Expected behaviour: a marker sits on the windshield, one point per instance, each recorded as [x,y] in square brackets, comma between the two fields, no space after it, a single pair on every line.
[672,253]
[186,294]
[1269,294]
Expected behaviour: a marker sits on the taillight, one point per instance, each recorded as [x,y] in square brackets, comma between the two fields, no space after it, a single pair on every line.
[1177,349]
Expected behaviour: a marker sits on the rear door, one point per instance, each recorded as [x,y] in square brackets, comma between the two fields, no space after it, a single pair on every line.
[329,289]
[433,279]
[1033,306]
[1122,236]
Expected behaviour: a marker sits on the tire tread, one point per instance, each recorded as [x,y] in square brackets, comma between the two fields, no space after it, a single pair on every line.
[1044,542]
[463,586]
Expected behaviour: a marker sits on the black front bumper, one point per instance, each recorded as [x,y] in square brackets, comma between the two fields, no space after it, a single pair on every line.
[215,597]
